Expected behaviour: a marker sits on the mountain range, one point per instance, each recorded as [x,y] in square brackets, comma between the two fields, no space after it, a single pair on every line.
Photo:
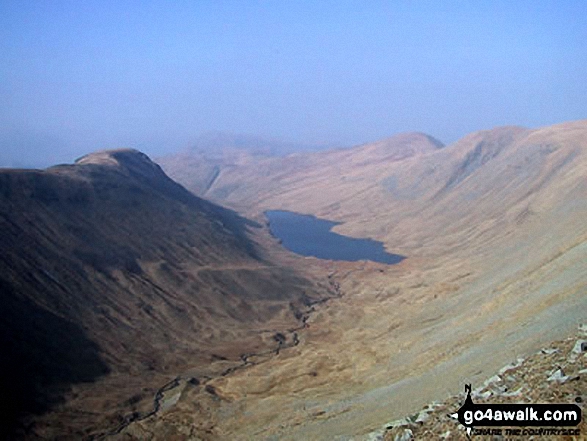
[141,307]
[494,233]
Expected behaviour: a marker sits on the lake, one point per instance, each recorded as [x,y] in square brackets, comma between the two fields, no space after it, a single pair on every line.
[310,236]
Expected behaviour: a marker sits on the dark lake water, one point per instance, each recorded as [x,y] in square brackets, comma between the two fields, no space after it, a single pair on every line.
[310,236]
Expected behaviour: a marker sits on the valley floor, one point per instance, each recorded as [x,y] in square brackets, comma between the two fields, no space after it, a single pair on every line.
[396,338]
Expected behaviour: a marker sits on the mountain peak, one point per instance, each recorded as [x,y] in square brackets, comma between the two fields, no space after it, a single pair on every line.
[401,146]
[132,161]
[121,157]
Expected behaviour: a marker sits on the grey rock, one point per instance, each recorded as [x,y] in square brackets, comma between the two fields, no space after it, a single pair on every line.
[559,376]
[580,346]
[482,395]
[406,435]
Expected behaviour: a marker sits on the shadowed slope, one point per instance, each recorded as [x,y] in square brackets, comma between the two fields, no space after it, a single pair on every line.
[110,265]
[41,353]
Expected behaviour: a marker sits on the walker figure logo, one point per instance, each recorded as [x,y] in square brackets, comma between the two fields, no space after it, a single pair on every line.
[472,415]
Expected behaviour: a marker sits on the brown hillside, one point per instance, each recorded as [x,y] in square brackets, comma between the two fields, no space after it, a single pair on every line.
[241,178]
[115,279]
[495,236]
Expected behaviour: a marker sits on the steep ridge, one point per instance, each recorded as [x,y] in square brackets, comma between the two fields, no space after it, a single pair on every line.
[114,278]
[494,231]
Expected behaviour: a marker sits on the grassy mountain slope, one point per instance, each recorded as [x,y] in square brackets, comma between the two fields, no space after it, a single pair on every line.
[493,227]
[114,278]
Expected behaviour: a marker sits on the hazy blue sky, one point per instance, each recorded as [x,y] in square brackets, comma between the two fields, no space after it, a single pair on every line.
[85,75]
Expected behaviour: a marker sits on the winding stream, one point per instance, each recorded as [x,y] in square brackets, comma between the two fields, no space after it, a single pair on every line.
[284,339]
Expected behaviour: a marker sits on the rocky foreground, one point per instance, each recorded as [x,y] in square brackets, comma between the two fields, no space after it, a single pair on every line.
[556,374]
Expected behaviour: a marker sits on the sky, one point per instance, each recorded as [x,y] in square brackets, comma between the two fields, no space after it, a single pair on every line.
[79,76]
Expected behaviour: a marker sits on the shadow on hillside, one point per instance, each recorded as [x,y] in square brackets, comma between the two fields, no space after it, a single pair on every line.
[238,225]
[42,354]
[231,220]
[143,170]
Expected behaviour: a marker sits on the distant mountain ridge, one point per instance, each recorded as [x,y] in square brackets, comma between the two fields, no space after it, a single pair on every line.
[215,142]
[212,172]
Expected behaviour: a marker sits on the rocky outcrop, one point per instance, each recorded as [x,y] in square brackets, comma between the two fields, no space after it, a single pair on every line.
[556,374]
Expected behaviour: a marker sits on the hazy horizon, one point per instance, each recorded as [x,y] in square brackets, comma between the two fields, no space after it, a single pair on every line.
[78,77]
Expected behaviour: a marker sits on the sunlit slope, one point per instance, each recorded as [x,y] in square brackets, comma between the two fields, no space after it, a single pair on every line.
[112,272]
[507,198]
[245,179]
[422,200]
[495,236]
